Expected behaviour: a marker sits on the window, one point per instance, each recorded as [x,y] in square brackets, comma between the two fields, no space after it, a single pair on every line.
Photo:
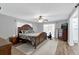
[49,28]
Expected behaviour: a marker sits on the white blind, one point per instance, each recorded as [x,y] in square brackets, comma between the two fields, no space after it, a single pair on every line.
[49,28]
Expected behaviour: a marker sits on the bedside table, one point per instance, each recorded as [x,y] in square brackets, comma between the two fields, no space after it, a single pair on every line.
[5,47]
[14,40]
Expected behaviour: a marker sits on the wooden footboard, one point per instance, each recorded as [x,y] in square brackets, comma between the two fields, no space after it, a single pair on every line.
[40,38]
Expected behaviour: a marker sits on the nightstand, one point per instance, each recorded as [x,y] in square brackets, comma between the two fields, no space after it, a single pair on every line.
[14,40]
[5,47]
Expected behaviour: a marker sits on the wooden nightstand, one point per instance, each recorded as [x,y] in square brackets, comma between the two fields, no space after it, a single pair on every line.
[5,47]
[14,40]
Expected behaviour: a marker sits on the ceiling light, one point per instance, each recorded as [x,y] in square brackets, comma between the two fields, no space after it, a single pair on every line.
[41,19]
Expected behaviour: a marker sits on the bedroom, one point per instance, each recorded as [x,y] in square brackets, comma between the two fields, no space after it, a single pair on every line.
[42,17]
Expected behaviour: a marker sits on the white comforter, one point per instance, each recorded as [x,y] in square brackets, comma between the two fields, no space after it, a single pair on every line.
[28,35]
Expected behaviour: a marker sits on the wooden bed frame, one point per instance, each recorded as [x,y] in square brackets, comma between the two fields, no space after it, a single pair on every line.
[38,39]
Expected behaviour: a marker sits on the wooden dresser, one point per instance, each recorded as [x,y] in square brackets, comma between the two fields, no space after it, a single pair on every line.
[5,47]
[64,28]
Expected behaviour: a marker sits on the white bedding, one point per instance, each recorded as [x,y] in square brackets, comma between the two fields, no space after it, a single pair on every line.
[28,35]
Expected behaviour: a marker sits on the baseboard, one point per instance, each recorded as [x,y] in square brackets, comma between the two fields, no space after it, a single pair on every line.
[75,41]
[71,44]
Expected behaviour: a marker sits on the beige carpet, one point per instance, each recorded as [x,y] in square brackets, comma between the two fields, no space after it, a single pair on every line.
[48,47]
[15,51]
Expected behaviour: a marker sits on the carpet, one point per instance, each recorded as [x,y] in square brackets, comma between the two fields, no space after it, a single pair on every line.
[47,47]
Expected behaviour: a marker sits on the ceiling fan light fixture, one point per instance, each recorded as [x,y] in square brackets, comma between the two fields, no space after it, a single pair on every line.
[41,19]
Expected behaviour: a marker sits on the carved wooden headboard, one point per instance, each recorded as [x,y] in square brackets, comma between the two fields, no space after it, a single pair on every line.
[24,27]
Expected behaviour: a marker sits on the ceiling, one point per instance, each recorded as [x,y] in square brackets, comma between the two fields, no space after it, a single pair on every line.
[28,11]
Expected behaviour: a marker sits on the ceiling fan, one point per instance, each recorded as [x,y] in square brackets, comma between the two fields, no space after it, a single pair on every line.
[41,19]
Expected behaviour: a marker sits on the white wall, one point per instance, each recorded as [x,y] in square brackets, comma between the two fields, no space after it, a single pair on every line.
[7,26]
[78,23]
[40,27]
[73,28]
